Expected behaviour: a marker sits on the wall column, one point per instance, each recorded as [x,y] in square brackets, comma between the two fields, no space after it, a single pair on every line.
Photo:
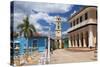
[60,44]
[73,41]
[94,38]
[95,41]
[76,41]
[69,41]
[84,39]
[80,44]
[90,36]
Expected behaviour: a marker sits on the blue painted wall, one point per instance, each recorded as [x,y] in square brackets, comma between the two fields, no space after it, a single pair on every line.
[22,43]
[42,42]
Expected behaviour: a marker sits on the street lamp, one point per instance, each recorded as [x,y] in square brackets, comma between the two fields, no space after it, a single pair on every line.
[49,45]
[48,50]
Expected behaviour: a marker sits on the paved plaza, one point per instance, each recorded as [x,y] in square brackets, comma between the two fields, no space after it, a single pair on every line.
[63,56]
[66,56]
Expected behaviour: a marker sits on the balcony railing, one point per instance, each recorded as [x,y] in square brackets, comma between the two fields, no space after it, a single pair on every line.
[90,21]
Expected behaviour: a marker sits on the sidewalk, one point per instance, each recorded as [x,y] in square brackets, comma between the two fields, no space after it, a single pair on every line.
[80,49]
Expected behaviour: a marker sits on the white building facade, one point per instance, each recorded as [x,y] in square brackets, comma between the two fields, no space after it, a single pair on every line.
[83,28]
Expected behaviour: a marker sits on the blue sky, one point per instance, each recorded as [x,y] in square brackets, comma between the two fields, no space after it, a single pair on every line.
[43,14]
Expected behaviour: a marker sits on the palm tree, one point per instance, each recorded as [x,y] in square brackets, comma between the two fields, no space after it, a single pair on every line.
[27,29]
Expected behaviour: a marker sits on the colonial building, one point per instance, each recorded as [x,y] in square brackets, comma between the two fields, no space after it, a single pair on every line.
[58,41]
[83,28]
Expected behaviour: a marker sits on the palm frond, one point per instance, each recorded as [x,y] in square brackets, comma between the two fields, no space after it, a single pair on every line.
[20,26]
[26,22]
[26,28]
[33,28]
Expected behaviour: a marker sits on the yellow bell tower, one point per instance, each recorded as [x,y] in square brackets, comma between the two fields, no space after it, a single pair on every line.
[58,41]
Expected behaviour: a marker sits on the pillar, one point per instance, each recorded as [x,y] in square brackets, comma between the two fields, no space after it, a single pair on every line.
[56,46]
[90,37]
[95,41]
[60,44]
[95,37]
[80,44]
[76,41]
[69,41]
[73,42]
[84,39]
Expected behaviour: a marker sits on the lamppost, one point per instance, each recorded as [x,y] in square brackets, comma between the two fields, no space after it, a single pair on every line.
[47,54]
[48,50]
[49,44]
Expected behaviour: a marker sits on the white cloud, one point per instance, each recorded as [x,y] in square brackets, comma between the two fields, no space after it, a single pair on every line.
[18,19]
[65,32]
[27,7]
[33,20]
[52,8]
[73,12]
[44,16]
[63,19]
[47,33]
[23,8]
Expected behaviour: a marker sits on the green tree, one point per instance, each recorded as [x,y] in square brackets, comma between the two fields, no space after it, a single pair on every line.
[27,29]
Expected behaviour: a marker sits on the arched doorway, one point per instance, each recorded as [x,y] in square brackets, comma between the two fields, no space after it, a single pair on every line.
[71,42]
[58,43]
[66,45]
[82,39]
[74,41]
[78,40]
